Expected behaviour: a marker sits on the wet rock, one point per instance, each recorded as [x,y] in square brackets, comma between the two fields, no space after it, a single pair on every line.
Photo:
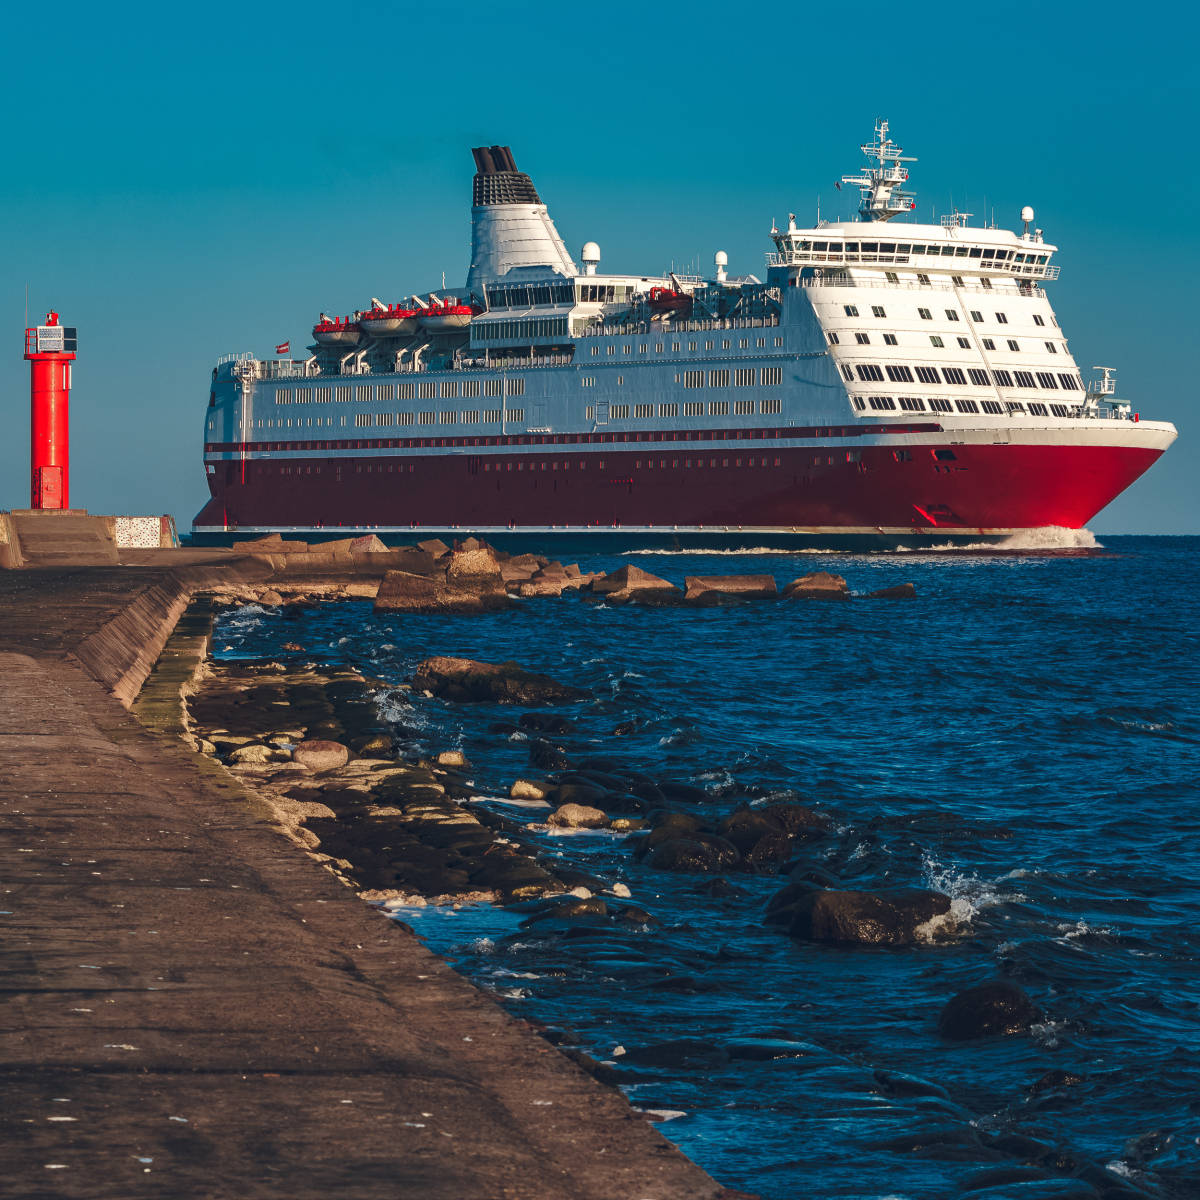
[717,589]
[320,755]
[632,584]
[683,793]
[270,597]
[695,853]
[373,745]
[545,723]
[466,681]
[1054,1081]
[568,909]
[719,889]
[756,1049]
[546,755]
[995,1007]
[625,728]
[901,591]
[402,591]
[680,1052]
[252,754]
[768,854]
[577,793]
[529,789]
[476,569]
[886,918]
[818,585]
[577,816]
[798,819]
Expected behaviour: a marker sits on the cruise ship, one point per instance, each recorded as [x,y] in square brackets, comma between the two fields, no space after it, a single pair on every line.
[886,383]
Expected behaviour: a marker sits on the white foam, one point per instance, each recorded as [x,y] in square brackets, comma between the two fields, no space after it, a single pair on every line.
[1038,540]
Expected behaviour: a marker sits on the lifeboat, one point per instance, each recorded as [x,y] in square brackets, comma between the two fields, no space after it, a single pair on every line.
[668,300]
[337,331]
[393,321]
[447,315]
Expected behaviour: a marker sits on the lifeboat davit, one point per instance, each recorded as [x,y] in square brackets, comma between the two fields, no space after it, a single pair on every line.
[393,321]
[337,331]
[668,300]
[447,315]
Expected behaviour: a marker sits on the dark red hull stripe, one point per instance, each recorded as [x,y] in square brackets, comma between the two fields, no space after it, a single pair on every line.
[981,486]
[568,439]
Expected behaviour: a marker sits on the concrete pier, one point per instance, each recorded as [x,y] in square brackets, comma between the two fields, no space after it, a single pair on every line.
[190,1007]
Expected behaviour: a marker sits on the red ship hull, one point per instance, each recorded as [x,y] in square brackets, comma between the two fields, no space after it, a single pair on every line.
[966,488]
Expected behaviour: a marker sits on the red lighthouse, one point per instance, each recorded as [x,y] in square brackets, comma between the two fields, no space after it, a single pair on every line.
[50,349]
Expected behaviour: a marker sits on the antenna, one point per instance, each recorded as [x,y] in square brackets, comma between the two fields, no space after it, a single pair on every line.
[880,185]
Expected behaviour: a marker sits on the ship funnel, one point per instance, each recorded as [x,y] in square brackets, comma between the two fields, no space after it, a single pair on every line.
[510,226]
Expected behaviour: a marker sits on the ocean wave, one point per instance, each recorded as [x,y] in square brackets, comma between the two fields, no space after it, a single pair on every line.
[1044,538]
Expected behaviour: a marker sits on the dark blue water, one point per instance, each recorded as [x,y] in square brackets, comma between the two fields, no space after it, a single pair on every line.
[1024,736]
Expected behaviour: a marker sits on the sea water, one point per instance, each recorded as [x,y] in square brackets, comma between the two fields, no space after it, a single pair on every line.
[1024,736]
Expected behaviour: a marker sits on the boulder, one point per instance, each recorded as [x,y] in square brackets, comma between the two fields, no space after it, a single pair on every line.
[996,1007]
[715,589]
[886,918]
[545,583]
[529,789]
[270,597]
[453,758]
[401,591]
[367,545]
[272,543]
[434,546]
[513,572]
[473,566]
[335,549]
[469,543]
[577,816]
[902,591]
[819,585]
[695,853]
[630,583]
[252,754]
[467,681]
[321,755]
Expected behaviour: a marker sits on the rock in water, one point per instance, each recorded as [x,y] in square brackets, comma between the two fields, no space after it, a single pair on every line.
[819,585]
[401,591]
[471,682]
[889,918]
[996,1007]
[630,583]
[695,853]
[321,755]
[715,589]
[902,591]
[577,816]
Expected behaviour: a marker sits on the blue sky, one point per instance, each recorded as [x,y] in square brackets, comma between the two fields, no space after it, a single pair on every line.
[186,182]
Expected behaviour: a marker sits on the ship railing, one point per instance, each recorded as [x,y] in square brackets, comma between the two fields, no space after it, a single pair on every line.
[1015,270]
[644,328]
[285,368]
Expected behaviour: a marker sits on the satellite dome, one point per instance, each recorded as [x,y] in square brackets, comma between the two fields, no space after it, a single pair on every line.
[591,252]
[721,259]
[1027,214]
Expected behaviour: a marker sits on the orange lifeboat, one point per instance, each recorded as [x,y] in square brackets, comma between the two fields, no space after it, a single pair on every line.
[393,321]
[448,315]
[337,331]
[668,300]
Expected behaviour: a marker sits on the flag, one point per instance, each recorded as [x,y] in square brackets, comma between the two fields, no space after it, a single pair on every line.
[838,185]
[284,348]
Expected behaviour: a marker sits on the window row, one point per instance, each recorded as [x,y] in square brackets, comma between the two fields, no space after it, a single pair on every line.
[715,408]
[941,405]
[490,416]
[955,376]
[533,329]
[384,392]
[610,348]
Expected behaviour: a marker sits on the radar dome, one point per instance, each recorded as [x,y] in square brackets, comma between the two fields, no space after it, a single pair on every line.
[1027,214]
[721,259]
[591,252]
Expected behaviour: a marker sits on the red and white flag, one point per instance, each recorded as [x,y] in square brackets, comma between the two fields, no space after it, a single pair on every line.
[284,348]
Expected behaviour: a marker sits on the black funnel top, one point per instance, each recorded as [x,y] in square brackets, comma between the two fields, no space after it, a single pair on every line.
[497,180]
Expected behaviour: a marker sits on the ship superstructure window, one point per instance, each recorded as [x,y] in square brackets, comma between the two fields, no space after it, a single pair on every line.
[493,387]
[619,411]
[923,280]
[364,393]
[405,418]
[587,381]
[362,419]
[976,315]
[863,339]
[426,391]
[978,377]
[772,376]
[449,390]
[833,341]
[900,374]
[940,405]
[719,408]
[954,375]
[323,395]
[957,280]
[341,394]
[964,343]
[1047,381]
[912,404]
[1070,383]
[988,344]
[1001,319]
[406,391]
[668,410]
[967,406]
[994,407]
[610,349]
[743,408]
[693,408]
[847,371]
[426,418]
[924,314]
[1051,347]
[891,276]
[858,402]
[951,314]
[469,418]
[643,410]
[385,418]
[516,387]
[1038,410]
[935,340]
[658,347]
[1024,379]
[889,339]
[516,414]
[693,379]
[527,295]
[493,416]
[448,418]
[877,310]
[771,406]
[881,403]
[386,392]
[1060,410]
[929,375]
[283,396]
[719,378]
[986,284]
[1015,406]
[1003,378]
[851,310]
[745,376]
[1014,345]
[868,372]
[1037,320]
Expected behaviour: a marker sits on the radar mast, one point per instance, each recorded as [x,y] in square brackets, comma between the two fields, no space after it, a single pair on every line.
[880,185]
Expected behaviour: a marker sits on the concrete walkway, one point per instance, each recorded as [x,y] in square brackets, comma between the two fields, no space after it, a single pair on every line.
[190,1007]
